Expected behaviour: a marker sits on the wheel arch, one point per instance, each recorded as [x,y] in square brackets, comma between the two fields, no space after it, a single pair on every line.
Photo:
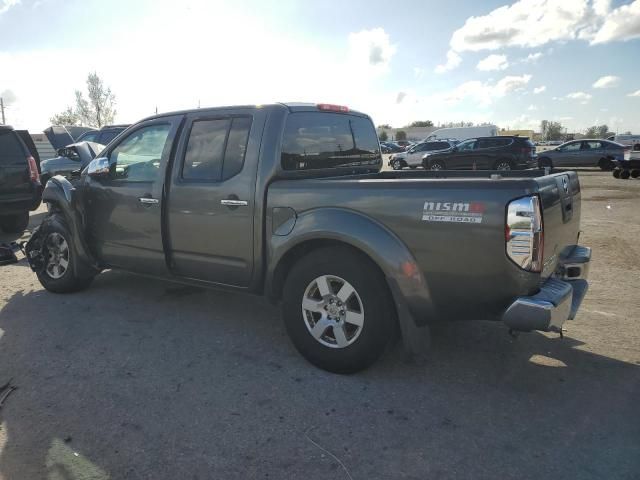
[327,227]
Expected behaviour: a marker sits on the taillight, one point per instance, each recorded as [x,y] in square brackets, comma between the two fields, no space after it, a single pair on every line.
[526,150]
[33,169]
[332,108]
[524,233]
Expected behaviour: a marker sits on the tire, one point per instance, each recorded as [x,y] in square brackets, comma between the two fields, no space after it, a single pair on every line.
[605,164]
[635,173]
[624,174]
[503,165]
[437,165]
[398,164]
[342,346]
[60,249]
[616,173]
[545,162]
[16,223]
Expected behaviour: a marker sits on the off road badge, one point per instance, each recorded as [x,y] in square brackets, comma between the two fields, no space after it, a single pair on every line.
[453,212]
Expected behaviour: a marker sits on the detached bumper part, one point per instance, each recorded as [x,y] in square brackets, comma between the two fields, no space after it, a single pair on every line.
[557,301]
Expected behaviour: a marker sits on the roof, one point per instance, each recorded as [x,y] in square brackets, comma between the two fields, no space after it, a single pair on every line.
[291,106]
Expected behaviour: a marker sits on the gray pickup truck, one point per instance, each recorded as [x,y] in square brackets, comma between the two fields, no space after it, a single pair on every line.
[288,200]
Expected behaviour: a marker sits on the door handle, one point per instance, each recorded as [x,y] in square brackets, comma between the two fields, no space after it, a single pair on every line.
[148,201]
[234,203]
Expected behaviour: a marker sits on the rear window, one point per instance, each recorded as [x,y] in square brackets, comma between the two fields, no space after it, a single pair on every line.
[11,150]
[314,140]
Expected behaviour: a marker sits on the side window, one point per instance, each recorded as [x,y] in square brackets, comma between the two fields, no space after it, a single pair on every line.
[205,149]
[467,145]
[88,137]
[572,147]
[591,145]
[137,157]
[236,147]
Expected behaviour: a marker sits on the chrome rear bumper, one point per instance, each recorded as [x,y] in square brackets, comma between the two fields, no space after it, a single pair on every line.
[557,301]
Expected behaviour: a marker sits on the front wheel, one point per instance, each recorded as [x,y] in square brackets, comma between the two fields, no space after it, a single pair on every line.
[502,165]
[58,274]
[437,165]
[606,165]
[337,310]
[398,165]
[545,162]
[16,223]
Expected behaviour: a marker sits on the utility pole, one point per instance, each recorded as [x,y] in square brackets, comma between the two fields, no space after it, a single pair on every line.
[2,110]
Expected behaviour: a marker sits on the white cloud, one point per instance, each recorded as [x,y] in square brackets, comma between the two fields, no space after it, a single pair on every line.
[539,89]
[634,94]
[623,23]
[493,62]
[532,23]
[371,49]
[532,57]
[581,96]
[453,60]
[7,4]
[484,93]
[401,96]
[607,81]
[565,119]
[532,108]
[419,72]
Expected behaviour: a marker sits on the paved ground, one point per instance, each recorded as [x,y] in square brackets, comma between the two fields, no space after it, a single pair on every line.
[141,379]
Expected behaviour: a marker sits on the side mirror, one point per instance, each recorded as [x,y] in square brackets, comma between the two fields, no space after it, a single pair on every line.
[98,168]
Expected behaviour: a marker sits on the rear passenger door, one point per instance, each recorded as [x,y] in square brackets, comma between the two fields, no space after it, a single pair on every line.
[590,153]
[211,197]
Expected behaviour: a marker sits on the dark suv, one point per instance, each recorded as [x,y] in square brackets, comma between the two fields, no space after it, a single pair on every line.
[485,153]
[20,189]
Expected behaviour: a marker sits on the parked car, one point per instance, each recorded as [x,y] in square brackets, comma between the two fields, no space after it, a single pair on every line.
[485,153]
[60,136]
[20,189]
[404,144]
[71,158]
[392,147]
[583,153]
[289,201]
[104,135]
[413,156]
[629,166]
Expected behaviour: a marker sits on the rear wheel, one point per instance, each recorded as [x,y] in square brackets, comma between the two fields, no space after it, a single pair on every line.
[503,164]
[58,274]
[635,173]
[337,310]
[606,164]
[624,174]
[616,173]
[16,223]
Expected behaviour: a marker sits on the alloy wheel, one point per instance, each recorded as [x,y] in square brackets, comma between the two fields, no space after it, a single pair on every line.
[58,256]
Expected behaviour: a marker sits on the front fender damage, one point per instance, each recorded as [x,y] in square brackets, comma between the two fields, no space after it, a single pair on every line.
[67,214]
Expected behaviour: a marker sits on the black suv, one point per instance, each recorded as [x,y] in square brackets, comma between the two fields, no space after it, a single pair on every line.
[20,189]
[102,136]
[485,153]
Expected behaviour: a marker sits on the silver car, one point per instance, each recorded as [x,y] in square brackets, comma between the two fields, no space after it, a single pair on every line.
[583,153]
[413,156]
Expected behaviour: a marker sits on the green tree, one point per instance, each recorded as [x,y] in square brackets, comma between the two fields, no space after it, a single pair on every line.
[551,130]
[597,131]
[383,136]
[385,126]
[94,110]
[401,135]
[67,117]
[421,123]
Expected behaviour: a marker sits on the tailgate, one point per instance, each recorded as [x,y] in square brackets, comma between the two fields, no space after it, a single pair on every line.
[560,196]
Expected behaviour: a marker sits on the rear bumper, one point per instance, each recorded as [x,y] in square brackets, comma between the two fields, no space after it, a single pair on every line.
[557,301]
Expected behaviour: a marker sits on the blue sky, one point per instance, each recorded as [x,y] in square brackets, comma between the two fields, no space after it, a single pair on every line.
[512,64]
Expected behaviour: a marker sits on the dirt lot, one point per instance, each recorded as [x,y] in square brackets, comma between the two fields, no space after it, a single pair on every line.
[141,379]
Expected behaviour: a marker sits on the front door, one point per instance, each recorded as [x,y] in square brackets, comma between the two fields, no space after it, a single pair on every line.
[465,157]
[211,197]
[124,211]
[567,155]
[590,153]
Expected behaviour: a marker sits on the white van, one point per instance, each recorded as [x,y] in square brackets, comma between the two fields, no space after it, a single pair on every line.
[462,133]
[626,139]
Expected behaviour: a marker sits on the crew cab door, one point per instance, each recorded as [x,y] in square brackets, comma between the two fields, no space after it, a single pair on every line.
[211,202]
[466,156]
[124,210]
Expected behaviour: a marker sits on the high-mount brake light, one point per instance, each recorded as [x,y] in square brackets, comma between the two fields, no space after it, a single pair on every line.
[328,107]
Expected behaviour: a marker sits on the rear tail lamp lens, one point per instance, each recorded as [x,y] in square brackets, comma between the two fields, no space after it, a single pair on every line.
[524,233]
[33,169]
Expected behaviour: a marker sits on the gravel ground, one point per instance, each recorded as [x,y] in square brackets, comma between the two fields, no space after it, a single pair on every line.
[140,379]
